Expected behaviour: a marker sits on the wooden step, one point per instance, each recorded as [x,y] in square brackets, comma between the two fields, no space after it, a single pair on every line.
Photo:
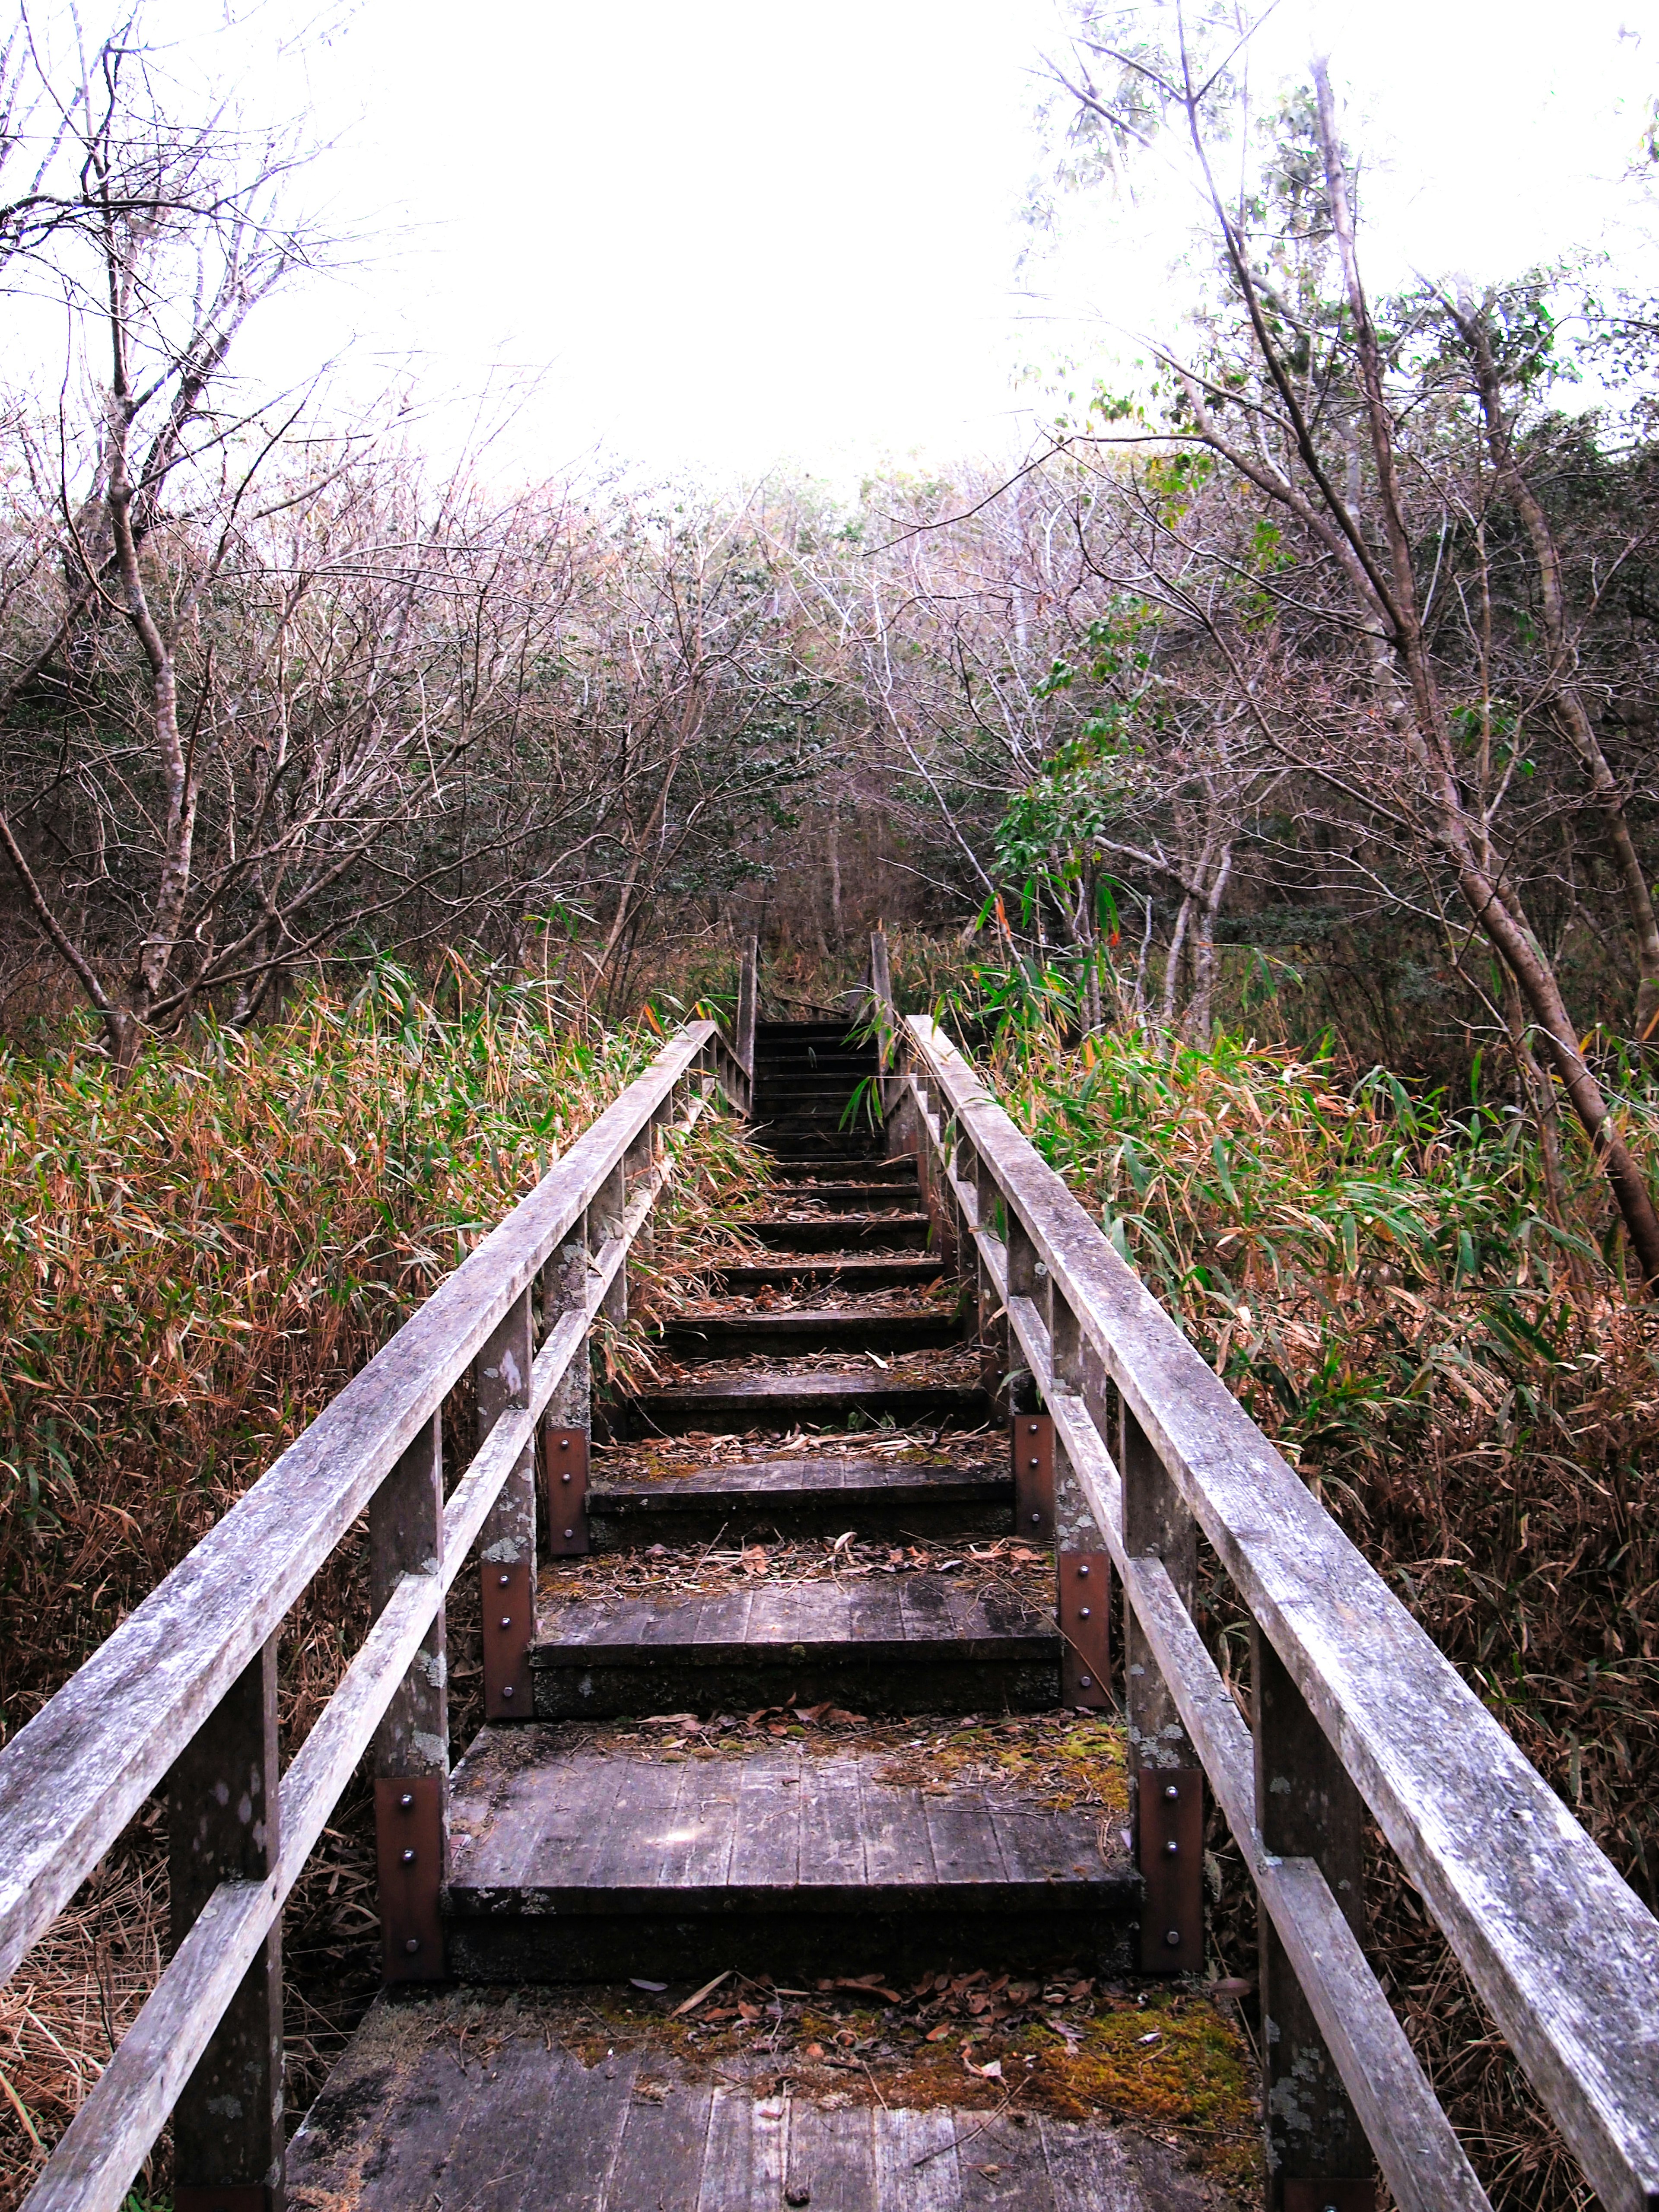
[849,1271]
[800,1498]
[816,1165]
[862,1196]
[576,1866]
[821,1400]
[888,1232]
[430,2107]
[826,1329]
[882,1644]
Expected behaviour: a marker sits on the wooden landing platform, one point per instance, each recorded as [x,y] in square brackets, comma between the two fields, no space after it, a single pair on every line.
[415,2117]
[580,1866]
[911,1644]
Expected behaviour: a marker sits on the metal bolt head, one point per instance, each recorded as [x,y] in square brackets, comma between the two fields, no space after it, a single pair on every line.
[1172,1937]
[1084,1613]
[406,1802]
[564,1444]
[507,1689]
[408,1858]
[1172,1849]
[412,1944]
[1036,1461]
[506,1620]
[1171,1791]
[1086,1682]
[1036,1520]
[565,1475]
[1083,1574]
[570,1533]
[502,1581]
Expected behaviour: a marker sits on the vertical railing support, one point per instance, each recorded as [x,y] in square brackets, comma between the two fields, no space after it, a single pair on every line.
[1082,1566]
[748,1013]
[568,1426]
[881,1005]
[507,1556]
[1166,1783]
[411,1745]
[1306,1807]
[228,2135]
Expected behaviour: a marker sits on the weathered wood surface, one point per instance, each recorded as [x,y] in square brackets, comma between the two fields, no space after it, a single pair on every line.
[853,1482]
[1559,1945]
[536,1830]
[849,1271]
[887,1620]
[772,1401]
[410,2118]
[809,1328]
[71,1779]
[1420,2156]
[896,1231]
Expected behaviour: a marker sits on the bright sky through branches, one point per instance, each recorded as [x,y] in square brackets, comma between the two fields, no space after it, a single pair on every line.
[749,231]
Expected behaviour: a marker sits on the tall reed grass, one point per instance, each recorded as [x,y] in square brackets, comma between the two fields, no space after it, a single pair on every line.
[191,1263]
[1463,1378]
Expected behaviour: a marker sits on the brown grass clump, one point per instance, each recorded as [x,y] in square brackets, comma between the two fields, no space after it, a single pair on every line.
[191,1264]
[1455,1368]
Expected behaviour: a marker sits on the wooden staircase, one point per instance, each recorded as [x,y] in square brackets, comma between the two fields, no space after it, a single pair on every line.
[574,1864]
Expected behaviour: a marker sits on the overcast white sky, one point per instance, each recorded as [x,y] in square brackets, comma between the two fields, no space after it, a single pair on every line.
[749,231]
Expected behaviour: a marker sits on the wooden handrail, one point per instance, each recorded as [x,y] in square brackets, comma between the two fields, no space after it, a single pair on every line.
[748,1008]
[71,1779]
[1555,1943]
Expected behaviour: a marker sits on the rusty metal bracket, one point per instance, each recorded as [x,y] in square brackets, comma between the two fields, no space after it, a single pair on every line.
[1086,1628]
[237,2197]
[566,1493]
[408,1860]
[1328,2196]
[508,1628]
[1169,1835]
[1032,1450]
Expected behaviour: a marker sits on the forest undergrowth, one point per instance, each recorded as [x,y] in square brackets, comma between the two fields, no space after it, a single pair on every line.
[191,1264]
[1464,1381]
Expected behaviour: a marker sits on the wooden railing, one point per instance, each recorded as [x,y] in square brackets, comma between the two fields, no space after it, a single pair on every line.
[184,1694]
[1355,1710]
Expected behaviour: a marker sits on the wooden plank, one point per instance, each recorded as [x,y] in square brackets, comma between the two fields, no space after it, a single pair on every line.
[1305,1808]
[743,2159]
[72,1778]
[393,2125]
[831,2154]
[1557,1945]
[223,1824]
[1420,2156]
[916,2167]
[1087,2172]
[578,2131]
[659,2163]
[831,1816]
[767,1850]
[898,1852]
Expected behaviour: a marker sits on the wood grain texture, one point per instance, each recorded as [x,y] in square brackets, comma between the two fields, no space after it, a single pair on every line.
[1559,1945]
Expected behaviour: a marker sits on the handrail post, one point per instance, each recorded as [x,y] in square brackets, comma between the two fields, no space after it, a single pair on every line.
[1083,1566]
[1305,1808]
[567,1425]
[1166,1781]
[507,1543]
[748,1012]
[223,1801]
[411,1745]
[881,997]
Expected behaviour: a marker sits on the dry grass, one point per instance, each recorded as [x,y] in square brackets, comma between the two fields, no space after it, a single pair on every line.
[190,1266]
[1458,1374]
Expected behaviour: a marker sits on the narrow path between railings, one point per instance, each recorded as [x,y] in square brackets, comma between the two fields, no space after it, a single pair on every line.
[798,1883]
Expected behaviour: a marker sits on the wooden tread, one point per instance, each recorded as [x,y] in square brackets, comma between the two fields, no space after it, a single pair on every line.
[417,2114]
[801,1497]
[574,1865]
[891,1232]
[862,1197]
[745,1401]
[809,1328]
[899,1643]
[851,1270]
